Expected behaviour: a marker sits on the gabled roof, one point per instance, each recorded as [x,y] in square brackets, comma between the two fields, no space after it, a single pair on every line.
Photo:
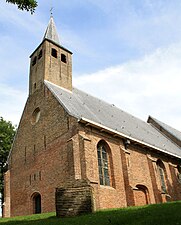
[169,131]
[51,32]
[84,106]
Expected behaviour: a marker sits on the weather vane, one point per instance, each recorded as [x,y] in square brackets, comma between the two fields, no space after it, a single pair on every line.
[51,8]
[51,11]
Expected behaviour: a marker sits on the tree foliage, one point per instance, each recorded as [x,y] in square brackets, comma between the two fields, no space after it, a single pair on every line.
[7,132]
[28,5]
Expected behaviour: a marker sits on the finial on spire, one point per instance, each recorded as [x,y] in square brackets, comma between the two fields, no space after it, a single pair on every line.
[51,11]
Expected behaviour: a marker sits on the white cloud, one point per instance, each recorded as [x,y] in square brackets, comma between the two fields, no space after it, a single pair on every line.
[150,85]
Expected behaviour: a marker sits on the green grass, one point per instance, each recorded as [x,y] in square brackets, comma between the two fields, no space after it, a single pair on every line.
[162,214]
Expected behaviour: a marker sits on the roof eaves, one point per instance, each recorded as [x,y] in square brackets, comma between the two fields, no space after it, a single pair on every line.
[94,124]
[60,46]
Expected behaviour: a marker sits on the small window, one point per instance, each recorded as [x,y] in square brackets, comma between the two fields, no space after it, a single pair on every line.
[54,53]
[63,58]
[34,86]
[34,61]
[40,54]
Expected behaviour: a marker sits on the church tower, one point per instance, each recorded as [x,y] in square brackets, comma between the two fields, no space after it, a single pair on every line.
[51,62]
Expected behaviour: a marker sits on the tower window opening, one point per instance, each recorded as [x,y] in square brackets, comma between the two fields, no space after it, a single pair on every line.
[35,86]
[63,58]
[54,53]
[34,61]
[40,54]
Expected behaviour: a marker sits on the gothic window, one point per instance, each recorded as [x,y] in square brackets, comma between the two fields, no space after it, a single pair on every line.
[103,164]
[54,53]
[63,58]
[161,174]
[34,61]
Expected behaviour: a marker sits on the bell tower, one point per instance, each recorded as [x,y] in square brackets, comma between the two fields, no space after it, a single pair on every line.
[50,61]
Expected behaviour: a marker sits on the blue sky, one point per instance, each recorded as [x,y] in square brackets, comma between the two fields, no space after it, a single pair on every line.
[127,52]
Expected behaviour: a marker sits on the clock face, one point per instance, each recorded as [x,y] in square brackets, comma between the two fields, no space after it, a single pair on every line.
[35,116]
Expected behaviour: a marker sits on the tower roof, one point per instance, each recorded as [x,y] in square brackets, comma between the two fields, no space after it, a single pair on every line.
[51,32]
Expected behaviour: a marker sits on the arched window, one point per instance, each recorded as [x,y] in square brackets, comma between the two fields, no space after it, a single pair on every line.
[103,163]
[161,173]
[36,203]
[63,58]
[54,53]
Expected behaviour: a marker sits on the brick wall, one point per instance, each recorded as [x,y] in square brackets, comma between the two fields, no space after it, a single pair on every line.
[74,198]
[132,167]
[41,159]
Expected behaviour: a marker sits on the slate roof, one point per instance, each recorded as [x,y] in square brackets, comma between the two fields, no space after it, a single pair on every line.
[51,32]
[84,106]
[169,129]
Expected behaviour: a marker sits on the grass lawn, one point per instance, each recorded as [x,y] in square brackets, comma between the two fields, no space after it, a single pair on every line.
[162,214]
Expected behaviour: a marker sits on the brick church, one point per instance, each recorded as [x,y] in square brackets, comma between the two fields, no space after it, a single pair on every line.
[66,135]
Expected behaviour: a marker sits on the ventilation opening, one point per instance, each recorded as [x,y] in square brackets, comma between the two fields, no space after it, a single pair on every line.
[63,58]
[34,61]
[40,54]
[54,53]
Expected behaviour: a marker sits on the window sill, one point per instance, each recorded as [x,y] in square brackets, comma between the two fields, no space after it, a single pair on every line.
[107,187]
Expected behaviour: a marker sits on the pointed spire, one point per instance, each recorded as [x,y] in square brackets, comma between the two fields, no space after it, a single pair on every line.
[51,32]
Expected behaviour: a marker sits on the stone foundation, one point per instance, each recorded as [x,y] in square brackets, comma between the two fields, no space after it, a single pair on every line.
[75,198]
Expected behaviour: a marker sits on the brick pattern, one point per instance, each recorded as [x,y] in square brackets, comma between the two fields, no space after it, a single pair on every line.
[75,198]
[50,68]
[128,190]
[45,166]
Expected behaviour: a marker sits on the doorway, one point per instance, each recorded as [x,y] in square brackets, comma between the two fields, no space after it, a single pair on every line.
[37,203]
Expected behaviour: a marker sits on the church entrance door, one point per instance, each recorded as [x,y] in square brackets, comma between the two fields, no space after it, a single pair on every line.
[37,204]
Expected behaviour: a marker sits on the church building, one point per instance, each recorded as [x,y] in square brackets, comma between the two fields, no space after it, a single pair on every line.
[66,135]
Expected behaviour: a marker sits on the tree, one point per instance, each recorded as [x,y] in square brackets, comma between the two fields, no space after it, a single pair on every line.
[28,5]
[7,132]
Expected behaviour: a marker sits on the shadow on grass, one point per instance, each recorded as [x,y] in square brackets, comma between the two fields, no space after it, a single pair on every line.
[162,214]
